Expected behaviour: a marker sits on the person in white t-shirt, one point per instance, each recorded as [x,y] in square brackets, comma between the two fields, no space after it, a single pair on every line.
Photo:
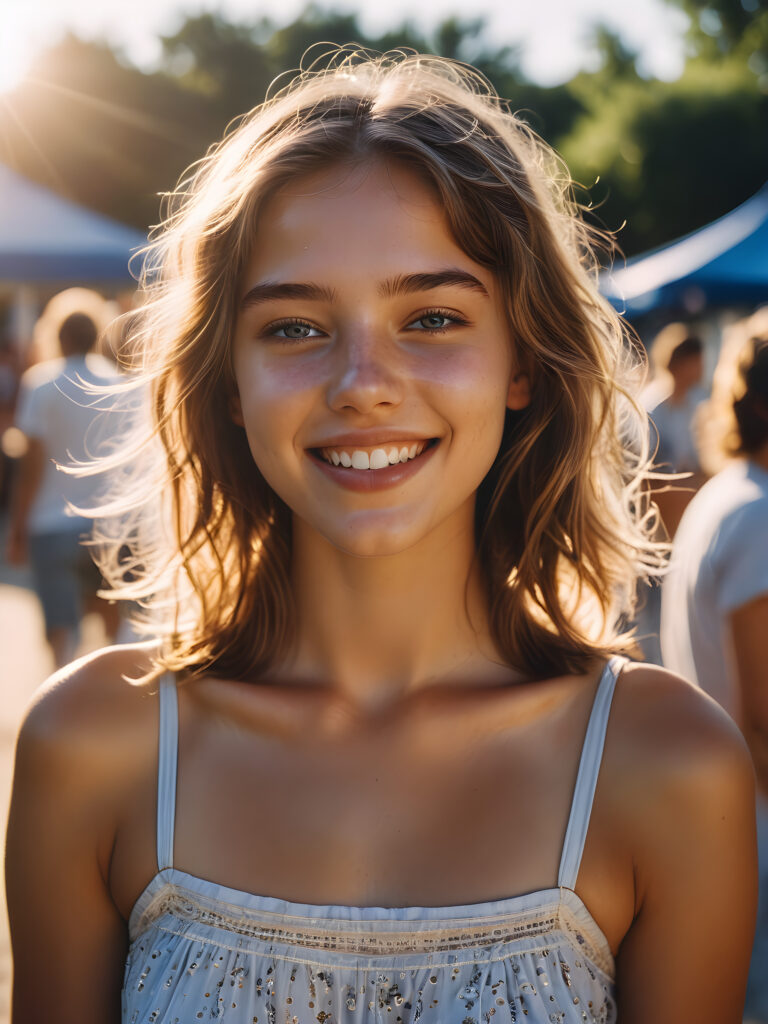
[63,424]
[672,399]
[673,414]
[714,618]
[678,356]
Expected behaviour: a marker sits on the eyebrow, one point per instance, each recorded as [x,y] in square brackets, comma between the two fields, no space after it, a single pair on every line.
[402,284]
[270,290]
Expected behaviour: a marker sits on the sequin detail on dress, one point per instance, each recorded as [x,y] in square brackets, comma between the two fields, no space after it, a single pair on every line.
[200,951]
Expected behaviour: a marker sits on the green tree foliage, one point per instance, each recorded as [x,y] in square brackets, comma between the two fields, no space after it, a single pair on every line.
[665,157]
[219,61]
[100,132]
[727,27]
[668,156]
[103,133]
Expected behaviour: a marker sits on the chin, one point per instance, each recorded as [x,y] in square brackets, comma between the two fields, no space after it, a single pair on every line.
[373,540]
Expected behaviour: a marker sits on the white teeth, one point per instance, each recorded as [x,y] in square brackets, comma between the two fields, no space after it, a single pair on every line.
[379,458]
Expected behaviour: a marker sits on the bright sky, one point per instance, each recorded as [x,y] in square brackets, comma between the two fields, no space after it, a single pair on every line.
[551,32]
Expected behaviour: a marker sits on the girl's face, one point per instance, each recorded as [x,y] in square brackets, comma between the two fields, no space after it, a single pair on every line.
[372,359]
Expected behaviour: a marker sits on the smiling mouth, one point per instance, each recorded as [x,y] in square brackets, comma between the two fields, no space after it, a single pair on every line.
[374,457]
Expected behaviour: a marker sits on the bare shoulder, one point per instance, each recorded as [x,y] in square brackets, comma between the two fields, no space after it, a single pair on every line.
[86,746]
[681,809]
[88,686]
[89,713]
[678,762]
[664,721]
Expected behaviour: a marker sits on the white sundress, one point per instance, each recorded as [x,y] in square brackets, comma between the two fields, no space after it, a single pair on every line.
[201,951]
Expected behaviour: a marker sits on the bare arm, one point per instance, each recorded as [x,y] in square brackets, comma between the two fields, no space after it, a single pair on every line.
[686,954]
[27,484]
[749,632]
[68,940]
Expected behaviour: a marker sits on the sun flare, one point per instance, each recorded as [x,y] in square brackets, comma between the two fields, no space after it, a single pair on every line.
[16,54]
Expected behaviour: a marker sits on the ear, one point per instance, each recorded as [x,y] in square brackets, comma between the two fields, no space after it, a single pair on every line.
[519,392]
[235,409]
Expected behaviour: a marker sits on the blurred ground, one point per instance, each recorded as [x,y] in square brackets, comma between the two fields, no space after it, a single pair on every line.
[24,665]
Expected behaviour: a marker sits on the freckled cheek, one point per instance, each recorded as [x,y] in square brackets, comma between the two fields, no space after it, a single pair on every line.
[274,407]
[473,400]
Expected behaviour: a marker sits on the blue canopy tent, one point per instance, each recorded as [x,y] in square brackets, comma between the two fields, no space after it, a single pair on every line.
[44,238]
[724,263]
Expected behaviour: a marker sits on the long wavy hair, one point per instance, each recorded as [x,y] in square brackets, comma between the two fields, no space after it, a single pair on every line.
[563,521]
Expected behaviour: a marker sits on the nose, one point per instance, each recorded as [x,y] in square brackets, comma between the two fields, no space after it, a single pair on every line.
[366,374]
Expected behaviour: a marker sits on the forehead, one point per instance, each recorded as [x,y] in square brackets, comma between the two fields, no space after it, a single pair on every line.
[364,185]
[376,218]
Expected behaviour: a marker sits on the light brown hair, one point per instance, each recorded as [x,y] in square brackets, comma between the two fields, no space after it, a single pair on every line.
[562,519]
[733,420]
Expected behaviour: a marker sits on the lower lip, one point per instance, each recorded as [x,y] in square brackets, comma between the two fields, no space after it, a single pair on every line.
[374,479]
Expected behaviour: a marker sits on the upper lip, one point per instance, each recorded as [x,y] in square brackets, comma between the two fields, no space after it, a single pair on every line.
[370,440]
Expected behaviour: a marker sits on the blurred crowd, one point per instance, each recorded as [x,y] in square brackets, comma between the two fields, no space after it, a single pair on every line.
[57,416]
[709,619]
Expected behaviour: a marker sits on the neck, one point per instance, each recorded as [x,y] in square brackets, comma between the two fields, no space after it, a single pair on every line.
[378,628]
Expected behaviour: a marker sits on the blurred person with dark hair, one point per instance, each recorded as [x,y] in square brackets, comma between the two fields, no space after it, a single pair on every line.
[672,415]
[672,400]
[714,622]
[678,357]
[63,424]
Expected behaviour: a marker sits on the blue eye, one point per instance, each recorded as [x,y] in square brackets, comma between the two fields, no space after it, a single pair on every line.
[293,330]
[433,322]
[436,321]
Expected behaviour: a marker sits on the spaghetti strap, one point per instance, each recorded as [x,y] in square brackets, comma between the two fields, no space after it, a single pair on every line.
[167,758]
[586,780]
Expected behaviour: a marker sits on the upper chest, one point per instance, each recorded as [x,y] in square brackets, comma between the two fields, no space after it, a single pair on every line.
[453,802]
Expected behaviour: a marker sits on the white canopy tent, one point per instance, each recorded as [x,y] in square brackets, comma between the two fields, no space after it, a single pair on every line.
[48,242]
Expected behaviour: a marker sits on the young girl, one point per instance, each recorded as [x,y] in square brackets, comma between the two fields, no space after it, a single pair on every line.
[387,549]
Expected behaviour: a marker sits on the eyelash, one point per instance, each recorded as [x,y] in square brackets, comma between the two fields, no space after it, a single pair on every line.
[271,329]
[456,320]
